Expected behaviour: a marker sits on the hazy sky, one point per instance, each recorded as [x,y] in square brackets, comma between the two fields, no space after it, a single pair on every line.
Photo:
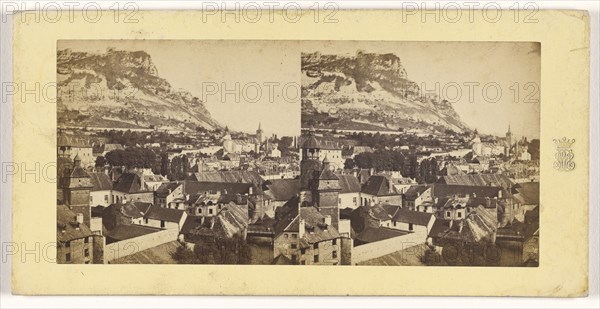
[273,69]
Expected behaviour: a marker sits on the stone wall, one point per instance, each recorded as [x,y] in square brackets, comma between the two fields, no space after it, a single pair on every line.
[384,247]
[128,247]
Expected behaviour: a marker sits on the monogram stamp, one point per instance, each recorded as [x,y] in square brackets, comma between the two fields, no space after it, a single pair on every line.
[564,154]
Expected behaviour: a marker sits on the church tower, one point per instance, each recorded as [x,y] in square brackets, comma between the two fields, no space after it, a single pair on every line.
[76,190]
[327,193]
[310,167]
[259,134]
[508,142]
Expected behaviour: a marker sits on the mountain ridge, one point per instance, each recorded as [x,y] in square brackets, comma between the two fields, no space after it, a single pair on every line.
[123,89]
[369,91]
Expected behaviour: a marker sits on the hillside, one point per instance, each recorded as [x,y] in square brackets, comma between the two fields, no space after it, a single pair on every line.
[369,91]
[123,89]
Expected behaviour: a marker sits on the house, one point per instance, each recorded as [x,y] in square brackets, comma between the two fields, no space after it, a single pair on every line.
[493,180]
[279,191]
[527,196]
[76,244]
[419,198]
[349,194]
[164,218]
[380,189]
[305,236]
[413,221]
[479,225]
[130,186]
[70,146]
[101,193]
[124,220]
[231,221]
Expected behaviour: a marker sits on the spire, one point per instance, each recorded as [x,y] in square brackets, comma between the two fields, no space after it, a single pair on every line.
[77,160]
[509,128]
[259,129]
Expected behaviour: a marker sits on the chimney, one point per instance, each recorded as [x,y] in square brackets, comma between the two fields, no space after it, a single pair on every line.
[250,190]
[451,223]
[500,193]
[327,220]
[302,228]
[124,200]
[80,218]
[460,226]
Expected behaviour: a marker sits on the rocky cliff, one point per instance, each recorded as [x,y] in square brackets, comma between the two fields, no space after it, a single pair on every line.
[370,92]
[123,89]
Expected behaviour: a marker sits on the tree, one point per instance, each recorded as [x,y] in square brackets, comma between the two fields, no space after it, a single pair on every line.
[349,164]
[101,161]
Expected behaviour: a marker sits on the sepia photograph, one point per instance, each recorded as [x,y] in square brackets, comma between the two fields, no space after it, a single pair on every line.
[268,157]
[384,153]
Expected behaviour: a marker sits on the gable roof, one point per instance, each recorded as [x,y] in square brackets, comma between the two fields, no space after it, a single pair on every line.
[378,185]
[479,224]
[373,234]
[282,189]
[100,181]
[196,187]
[348,183]
[494,180]
[128,183]
[415,191]
[228,176]
[315,228]
[443,190]
[156,212]
[68,228]
[408,216]
[528,193]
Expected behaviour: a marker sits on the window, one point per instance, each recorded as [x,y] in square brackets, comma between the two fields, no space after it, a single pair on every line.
[302,251]
[394,222]
[91,199]
[86,240]
[162,223]
[334,254]
[316,258]
[68,257]
[303,262]
[316,245]
[354,200]
[294,246]
[210,211]
[86,252]
[447,214]
[294,258]
[106,198]
[294,235]
[68,244]
[177,205]
[458,214]
[334,242]
[286,235]
[199,210]
[410,226]
[146,220]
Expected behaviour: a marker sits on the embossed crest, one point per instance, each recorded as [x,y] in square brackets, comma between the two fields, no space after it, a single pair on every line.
[564,154]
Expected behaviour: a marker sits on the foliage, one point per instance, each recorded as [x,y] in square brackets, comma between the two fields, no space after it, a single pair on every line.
[132,157]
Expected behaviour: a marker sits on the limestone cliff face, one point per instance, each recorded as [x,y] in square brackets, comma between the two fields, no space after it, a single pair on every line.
[122,89]
[371,90]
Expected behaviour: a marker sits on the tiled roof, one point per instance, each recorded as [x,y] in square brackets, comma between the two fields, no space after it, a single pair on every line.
[195,187]
[480,224]
[156,212]
[378,212]
[348,183]
[378,185]
[528,193]
[414,217]
[494,180]
[112,215]
[128,183]
[68,228]
[128,231]
[371,234]
[282,189]
[315,228]
[100,181]
[228,176]
[443,190]
[415,191]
